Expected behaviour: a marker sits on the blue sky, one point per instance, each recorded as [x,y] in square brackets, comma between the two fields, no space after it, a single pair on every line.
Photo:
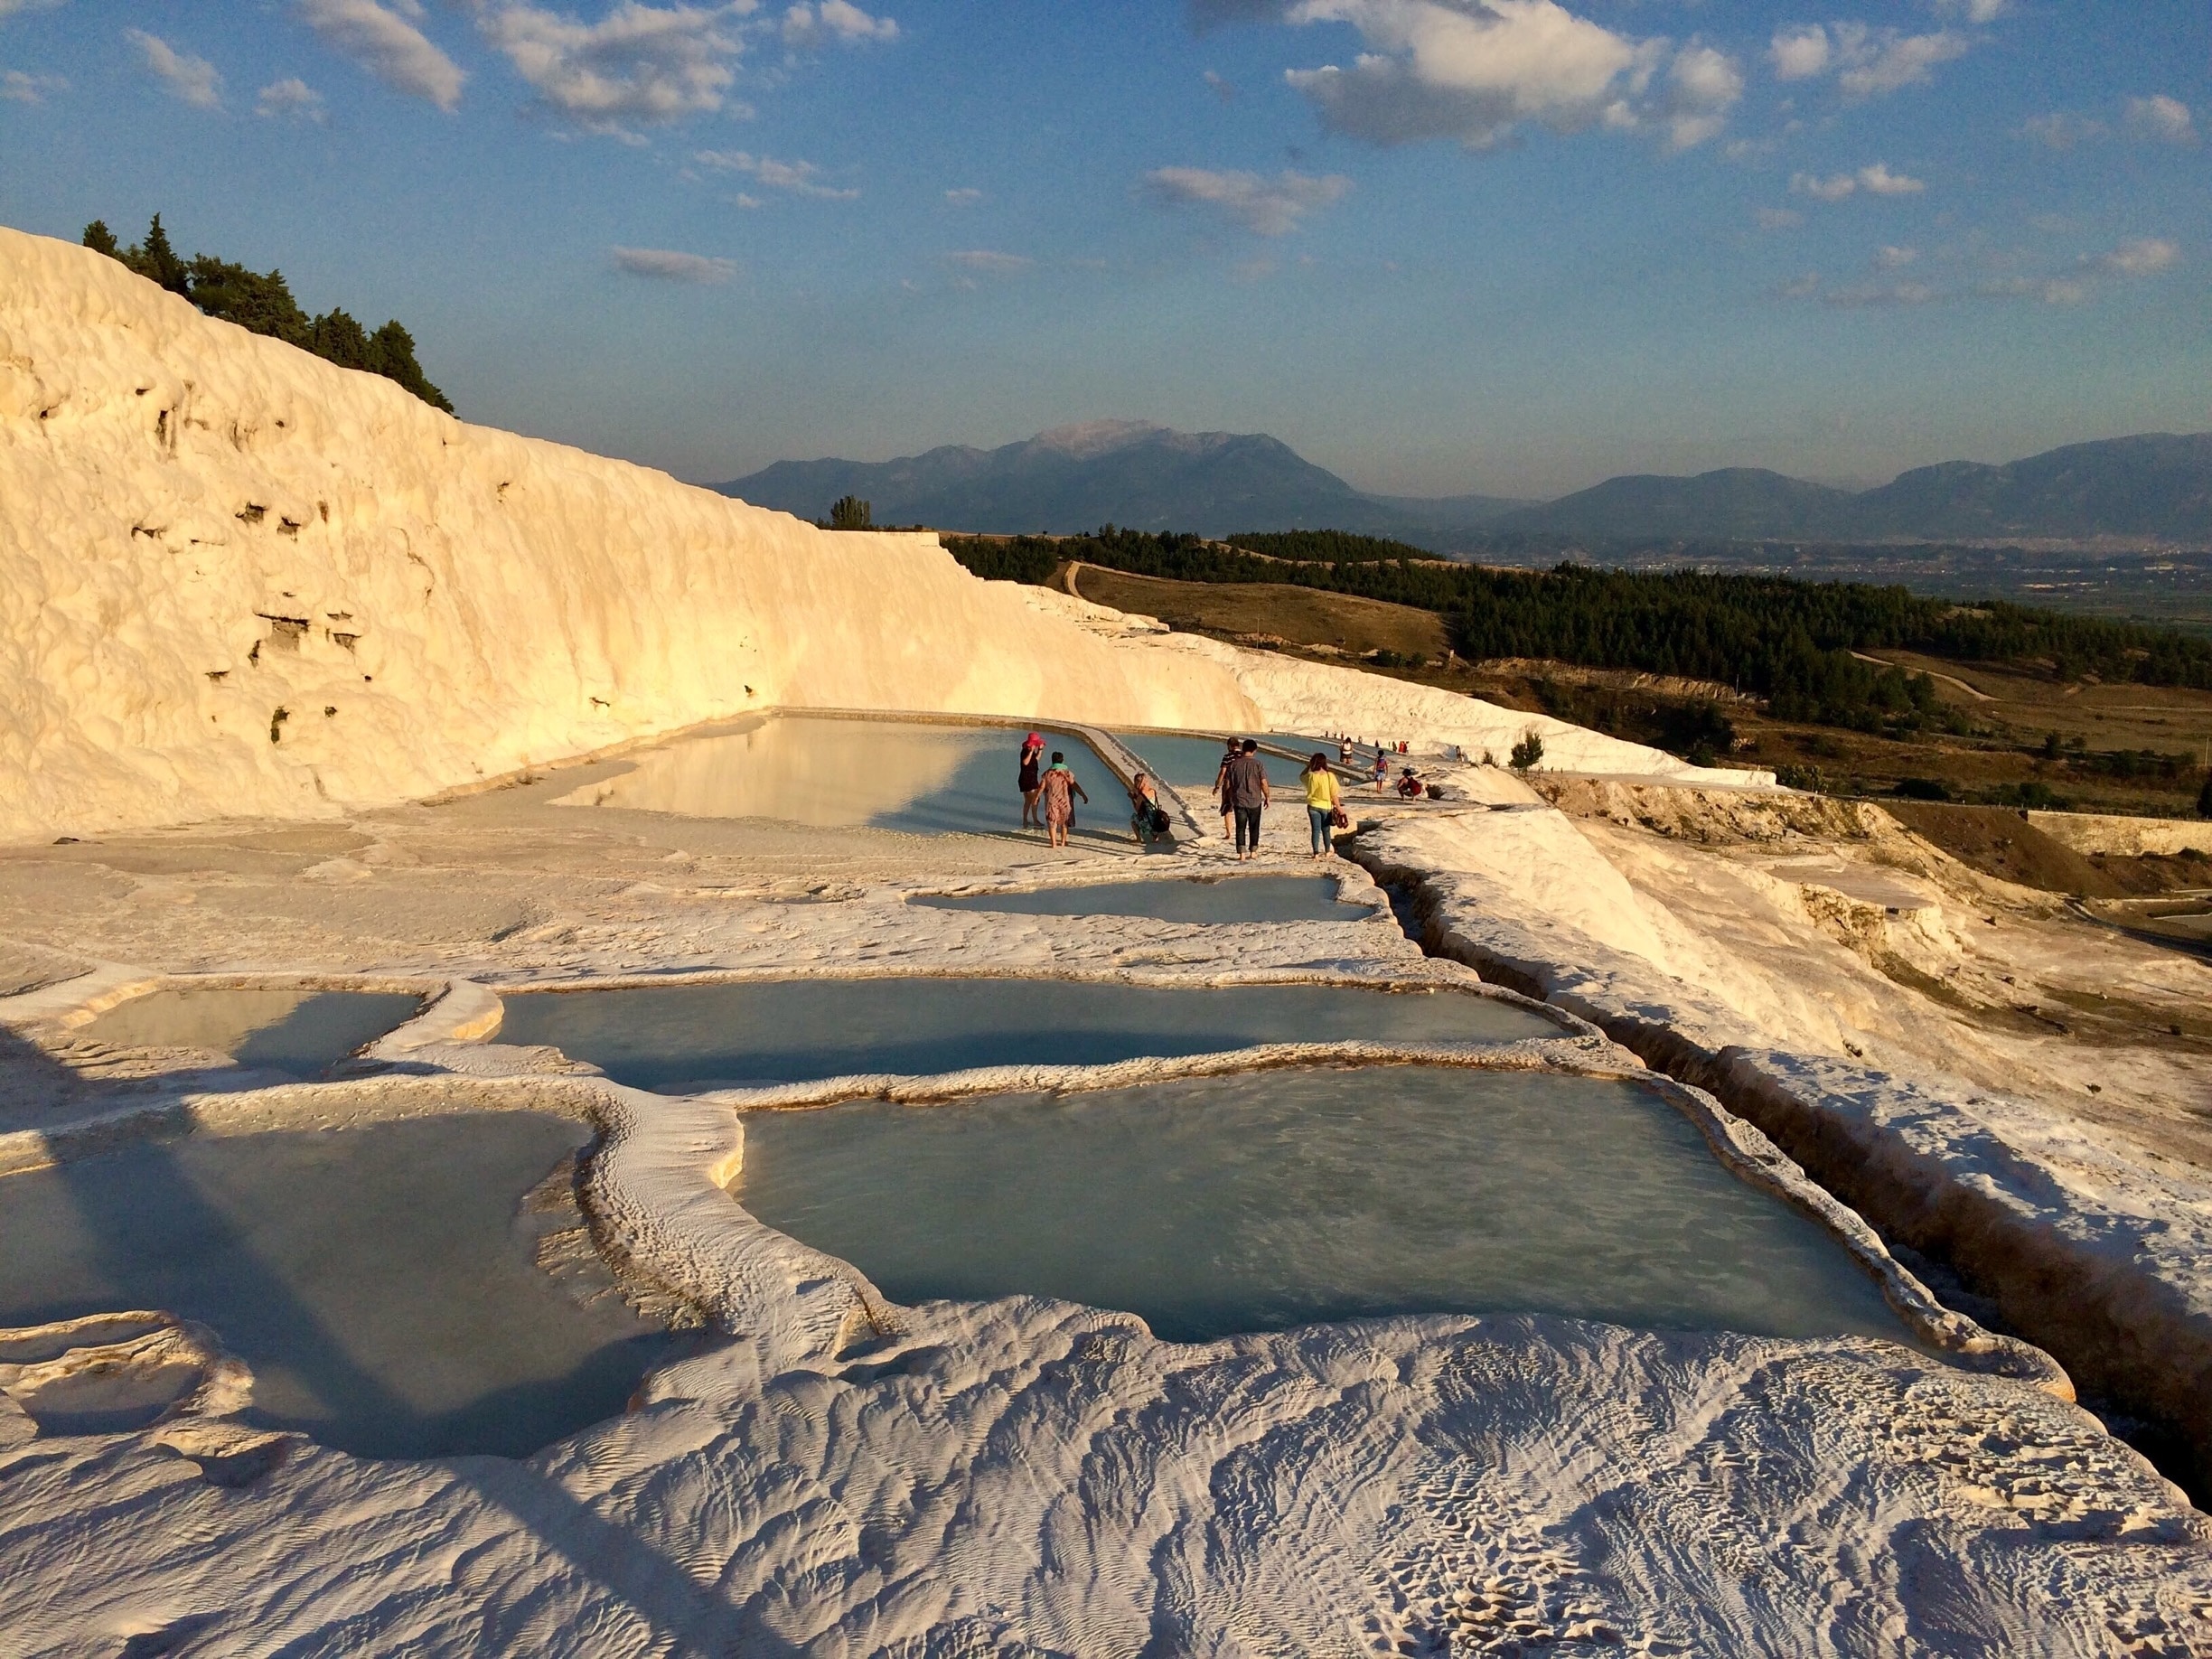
[1436,245]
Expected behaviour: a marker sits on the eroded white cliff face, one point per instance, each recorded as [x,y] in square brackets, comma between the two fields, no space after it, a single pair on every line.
[236,580]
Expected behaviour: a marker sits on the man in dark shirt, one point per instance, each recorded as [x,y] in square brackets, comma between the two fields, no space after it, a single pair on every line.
[1244,790]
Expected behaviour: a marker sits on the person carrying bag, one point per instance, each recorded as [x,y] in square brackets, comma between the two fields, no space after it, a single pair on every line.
[1324,804]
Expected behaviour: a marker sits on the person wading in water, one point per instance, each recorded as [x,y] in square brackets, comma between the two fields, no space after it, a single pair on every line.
[1058,787]
[1032,763]
[1245,790]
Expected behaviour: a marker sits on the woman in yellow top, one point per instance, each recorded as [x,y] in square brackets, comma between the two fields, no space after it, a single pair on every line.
[1322,800]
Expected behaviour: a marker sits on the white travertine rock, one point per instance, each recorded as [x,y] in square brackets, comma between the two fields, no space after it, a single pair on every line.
[236,580]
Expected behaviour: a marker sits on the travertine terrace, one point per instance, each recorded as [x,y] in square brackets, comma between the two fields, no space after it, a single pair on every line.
[201,529]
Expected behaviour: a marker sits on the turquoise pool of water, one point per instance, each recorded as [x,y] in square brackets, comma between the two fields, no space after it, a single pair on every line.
[380,1279]
[300,1032]
[880,774]
[1243,898]
[1274,1199]
[677,1037]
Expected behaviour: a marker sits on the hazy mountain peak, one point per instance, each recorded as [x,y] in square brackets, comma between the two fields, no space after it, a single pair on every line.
[1084,440]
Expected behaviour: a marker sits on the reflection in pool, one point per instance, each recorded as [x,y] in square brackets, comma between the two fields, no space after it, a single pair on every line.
[377,1280]
[284,1028]
[671,1037]
[1273,1199]
[1237,898]
[882,774]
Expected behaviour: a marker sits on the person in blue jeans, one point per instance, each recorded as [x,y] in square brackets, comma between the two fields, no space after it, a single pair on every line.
[1245,791]
[1322,800]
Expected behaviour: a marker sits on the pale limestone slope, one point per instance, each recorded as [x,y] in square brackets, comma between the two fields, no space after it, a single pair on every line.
[466,602]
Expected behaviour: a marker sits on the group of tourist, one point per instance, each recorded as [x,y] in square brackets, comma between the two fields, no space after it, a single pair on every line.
[1240,785]
[1049,792]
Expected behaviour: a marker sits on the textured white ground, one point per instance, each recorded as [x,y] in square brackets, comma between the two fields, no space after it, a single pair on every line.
[841,1476]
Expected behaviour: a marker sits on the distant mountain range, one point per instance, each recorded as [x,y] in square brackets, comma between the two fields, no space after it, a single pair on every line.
[2155,487]
[1126,472]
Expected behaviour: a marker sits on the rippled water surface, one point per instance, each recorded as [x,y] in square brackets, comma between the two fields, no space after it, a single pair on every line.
[1273,1199]
[672,1038]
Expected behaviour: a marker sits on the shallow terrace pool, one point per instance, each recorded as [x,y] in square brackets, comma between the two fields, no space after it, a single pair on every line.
[1239,898]
[282,1028]
[1273,1199]
[880,774]
[379,1278]
[675,1038]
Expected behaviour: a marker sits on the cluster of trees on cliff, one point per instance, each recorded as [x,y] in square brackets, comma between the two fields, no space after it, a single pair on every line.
[1787,641]
[263,302]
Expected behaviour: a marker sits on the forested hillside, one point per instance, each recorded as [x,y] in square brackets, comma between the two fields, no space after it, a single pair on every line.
[263,302]
[1789,642]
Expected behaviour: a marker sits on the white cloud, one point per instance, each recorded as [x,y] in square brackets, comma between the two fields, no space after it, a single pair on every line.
[1876,181]
[1892,61]
[387,45]
[2165,119]
[1702,86]
[800,178]
[1799,51]
[8,8]
[2145,256]
[2050,290]
[1801,288]
[1974,11]
[1866,62]
[1881,293]
[1473,71]
[967,195]
[984,262]
[807,28]
[638,63]
[1222,89]
[192,80]
[1264,206]
[290,97]
[666,265]
[1776,218]
[1879,181]
[18,88]
[1894,258]
[2060,131]
[1833,188]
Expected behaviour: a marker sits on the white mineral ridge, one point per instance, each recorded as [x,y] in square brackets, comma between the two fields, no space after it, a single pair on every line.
[236,580]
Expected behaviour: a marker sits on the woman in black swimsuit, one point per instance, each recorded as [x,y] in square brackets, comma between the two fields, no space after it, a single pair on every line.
[1032,758]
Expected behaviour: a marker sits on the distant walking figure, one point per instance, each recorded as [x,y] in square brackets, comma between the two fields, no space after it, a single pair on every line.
[1221,784]
[1244,790]
[1344,753]
[1058,787]
[1322,801]
[1382,768]
[1032,763]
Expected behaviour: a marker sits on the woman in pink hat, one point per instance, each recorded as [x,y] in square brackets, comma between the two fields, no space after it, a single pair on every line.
[1032,780]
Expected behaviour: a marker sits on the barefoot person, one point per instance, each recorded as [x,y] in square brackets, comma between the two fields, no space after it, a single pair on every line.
[1146,819]
[1322,800]
[1059,788]
[1244,788]
[1031,761]
[1221,785]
